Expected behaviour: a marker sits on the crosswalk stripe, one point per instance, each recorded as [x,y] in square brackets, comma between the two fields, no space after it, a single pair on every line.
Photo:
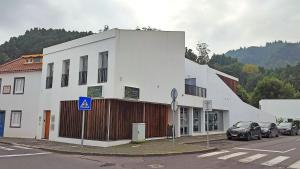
[7,149]
[275,160]
[232,155]
[21,147]
[212,154]
[252,158]
[296,165]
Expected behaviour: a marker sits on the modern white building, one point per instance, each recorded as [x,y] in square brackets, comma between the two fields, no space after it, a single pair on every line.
[19,96]
[130,74]
[281,108]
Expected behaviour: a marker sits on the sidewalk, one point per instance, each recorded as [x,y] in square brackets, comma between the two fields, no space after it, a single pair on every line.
[183,145]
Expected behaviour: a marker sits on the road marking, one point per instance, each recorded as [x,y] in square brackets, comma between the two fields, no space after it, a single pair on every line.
[21,147]
[23,155]
[275,161]
[156,166]
[298,140]
[272,151]
[212,154]
[252,158]
[7,149]
[232,155]
[296,165]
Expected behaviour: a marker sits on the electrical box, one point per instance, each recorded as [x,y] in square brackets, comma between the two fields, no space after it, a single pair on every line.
[138,132]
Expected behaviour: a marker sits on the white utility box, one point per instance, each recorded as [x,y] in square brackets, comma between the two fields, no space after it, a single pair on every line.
[138,132]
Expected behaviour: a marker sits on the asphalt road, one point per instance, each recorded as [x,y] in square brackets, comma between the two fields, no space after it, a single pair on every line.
[282,152]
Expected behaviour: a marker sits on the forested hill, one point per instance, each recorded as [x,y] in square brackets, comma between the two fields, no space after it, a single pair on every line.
[34,40]
[272,55]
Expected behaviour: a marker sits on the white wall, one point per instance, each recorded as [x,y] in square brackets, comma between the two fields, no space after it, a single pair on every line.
[281,108]
[27,102]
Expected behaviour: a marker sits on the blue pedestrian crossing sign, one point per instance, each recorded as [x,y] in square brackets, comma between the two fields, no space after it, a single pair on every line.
[85,103]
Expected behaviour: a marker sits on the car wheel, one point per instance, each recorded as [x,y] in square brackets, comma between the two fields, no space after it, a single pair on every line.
[259,136]
[229,138]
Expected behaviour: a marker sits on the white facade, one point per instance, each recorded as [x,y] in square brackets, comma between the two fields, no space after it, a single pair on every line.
[27,103]
[281,108]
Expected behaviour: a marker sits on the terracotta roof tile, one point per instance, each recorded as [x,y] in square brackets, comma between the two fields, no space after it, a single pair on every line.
[19,65]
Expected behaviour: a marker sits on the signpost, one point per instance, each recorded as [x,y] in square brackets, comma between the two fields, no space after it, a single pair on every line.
[84,103]
[207,106]
[174,107]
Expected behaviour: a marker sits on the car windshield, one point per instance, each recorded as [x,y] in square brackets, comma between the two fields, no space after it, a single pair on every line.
[265,125]
[242,124]
[285,125]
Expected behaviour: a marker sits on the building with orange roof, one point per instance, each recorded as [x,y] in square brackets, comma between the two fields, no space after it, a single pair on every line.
[19,96]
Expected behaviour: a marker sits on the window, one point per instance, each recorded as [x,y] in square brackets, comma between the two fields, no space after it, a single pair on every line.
[49,78]
[37,60]
[65,73]
[83,70]
[19,84]
[0,84]
[132,92]
[102,67]
[197,120]
[15,119]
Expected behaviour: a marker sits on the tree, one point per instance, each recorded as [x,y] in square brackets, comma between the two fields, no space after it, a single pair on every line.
[250,69]
[272,88]
[243,94]
[189,54]
[203,50]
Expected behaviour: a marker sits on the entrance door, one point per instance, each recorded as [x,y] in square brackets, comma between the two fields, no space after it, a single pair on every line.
[212,121]
[184,121]
[47,124]
[2,120]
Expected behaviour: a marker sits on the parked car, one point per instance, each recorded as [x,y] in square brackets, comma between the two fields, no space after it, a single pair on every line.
[244,130]
[288,128]
[269,129]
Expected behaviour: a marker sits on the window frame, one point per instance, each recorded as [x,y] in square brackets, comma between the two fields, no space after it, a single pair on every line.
[0,85]
[14,90]
[82,69]
[64,72]
[20,122]
[102,66]
[49,73]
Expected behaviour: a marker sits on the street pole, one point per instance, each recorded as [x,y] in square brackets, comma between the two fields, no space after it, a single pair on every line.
[207,134]
[82,130]
[173,127]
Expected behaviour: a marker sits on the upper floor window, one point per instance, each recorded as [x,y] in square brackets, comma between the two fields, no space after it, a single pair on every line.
[49,78]
[65,73]
[102,67]
[19,84]
[192,89]
[83,69]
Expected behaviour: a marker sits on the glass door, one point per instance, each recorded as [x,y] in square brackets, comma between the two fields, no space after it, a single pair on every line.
[184,121]
[196,120]
[212,121]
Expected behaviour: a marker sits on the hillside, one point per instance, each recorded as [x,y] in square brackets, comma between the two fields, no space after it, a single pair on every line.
[34,40]
[272,55]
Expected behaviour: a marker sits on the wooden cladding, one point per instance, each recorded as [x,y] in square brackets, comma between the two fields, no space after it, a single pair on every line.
[112,119]
[232,84]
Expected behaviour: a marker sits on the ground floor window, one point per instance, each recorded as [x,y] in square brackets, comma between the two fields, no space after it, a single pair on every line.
[15,119]
[184,121]
[197,120]
[215,121]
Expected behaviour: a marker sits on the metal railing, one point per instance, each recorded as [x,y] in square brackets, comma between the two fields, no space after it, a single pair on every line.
[82,77]
[195,90]
[49,81]
[102,75]
[64,80]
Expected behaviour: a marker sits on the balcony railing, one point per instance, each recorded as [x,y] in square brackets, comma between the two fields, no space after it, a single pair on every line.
[102,75]
[64,80]
[82,77]
[195,90]
[49,81]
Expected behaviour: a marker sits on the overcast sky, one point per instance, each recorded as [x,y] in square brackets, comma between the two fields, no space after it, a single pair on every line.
[222,24]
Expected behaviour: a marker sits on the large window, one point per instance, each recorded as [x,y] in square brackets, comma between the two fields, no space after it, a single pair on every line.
[197,120]
[102,67]
[15,119]
[49,78]
[19,84]
[83,69]
[65,73]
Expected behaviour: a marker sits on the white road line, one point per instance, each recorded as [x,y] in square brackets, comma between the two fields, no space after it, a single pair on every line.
[296,165]
[21,147]
[212,154]
[232,155]
[23,155]
[7,149]
[275,161]
[252,158]
[272,151]
[298,140]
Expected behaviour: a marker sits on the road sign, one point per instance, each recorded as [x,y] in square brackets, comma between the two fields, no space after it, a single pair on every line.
[207,105]
[174,94]
[84,103]
[174,106]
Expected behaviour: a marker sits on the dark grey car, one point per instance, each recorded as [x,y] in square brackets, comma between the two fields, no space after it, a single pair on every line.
[244,130]
[288,128]
[269,129]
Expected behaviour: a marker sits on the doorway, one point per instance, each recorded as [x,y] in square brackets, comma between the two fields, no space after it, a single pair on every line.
[215,121]
[2,122]
[184,121]
[46,127]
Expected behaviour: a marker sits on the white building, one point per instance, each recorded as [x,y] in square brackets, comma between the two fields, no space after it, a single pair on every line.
[19,96]
[282,108]
[130,75]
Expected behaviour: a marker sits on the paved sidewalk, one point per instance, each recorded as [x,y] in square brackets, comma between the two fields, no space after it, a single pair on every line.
[182,145]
